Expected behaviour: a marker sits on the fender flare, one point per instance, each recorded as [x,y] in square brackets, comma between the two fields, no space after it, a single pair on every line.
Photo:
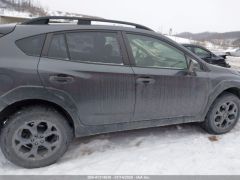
[218,90]
[54,96]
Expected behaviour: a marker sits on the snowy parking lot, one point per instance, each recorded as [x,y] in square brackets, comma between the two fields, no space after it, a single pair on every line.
[181,149]
[234,62]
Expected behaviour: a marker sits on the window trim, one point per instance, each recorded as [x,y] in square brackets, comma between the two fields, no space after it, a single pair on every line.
[123,51]
[49,44]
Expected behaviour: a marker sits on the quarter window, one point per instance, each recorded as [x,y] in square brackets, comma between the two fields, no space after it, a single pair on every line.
[32,45]
[58,48]
[151,52]
[96,47]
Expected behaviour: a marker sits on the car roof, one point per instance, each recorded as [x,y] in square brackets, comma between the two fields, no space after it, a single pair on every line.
[47,20]
[31,30]
[25,30]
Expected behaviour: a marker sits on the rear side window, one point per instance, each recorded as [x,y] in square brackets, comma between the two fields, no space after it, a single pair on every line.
[58,48]
[32,45]
[99,47]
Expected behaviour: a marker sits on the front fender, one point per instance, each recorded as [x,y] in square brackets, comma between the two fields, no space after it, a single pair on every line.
[219,89]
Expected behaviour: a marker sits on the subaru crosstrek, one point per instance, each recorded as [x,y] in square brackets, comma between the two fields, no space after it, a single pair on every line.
[59,81]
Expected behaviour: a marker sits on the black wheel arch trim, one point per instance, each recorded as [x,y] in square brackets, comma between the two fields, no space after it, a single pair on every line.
[26,93]
[218,90]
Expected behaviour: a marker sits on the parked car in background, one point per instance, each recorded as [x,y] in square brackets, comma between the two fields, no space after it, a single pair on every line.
[207,55]
[64,81]
[235,52]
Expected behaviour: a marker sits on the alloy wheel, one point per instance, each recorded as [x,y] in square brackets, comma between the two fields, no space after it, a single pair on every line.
[226,115]
[36,140]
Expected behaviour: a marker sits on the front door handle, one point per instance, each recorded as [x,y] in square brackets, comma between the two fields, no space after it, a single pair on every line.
[145,80]
[61,78]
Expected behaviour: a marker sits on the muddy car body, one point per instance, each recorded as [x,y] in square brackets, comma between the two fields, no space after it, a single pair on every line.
[63,81]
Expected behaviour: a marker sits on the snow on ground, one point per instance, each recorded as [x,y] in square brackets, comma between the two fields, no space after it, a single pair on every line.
[7,12]
[182,149]
[181,40]
[234,61]
[13,13]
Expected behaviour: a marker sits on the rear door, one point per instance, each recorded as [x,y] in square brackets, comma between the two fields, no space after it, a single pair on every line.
[164,89]
[92,69]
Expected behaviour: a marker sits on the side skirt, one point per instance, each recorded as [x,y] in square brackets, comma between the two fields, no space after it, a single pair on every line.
[94,130]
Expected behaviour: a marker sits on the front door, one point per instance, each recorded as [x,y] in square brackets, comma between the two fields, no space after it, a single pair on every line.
[164,89]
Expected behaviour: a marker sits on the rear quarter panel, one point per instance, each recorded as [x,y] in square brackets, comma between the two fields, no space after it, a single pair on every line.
[16,68]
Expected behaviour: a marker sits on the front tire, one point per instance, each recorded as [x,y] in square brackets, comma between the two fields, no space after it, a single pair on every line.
[35,137]
[223,115]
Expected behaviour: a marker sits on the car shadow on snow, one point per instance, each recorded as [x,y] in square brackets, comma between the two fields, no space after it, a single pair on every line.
[124,140]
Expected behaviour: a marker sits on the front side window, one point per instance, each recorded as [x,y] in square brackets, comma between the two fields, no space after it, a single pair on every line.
[151,52]
[98,47]
[31,46]
[201,52]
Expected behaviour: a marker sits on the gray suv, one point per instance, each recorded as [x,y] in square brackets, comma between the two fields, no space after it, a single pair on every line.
[60,81]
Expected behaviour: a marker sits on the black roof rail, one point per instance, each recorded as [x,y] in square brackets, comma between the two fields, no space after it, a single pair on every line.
[81,21]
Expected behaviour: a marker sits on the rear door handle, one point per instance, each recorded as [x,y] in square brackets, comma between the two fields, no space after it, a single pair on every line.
[145,80]
[61,78]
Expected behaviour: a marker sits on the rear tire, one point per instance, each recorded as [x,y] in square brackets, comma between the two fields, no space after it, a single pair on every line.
[223,115]
[35,137]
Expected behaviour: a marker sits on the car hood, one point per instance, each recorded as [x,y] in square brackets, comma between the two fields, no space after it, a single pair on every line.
[217,58]
[220,69]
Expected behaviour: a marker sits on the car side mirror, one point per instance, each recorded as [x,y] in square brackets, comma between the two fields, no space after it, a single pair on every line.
[193,66]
